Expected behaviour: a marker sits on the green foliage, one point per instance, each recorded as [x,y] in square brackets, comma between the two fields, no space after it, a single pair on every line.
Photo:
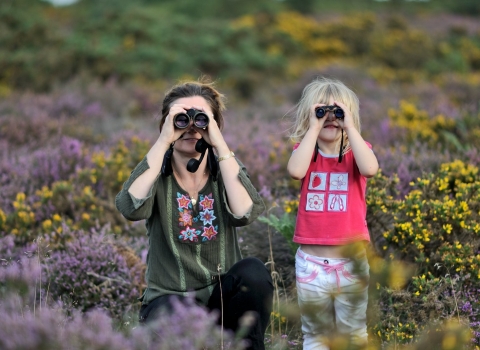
[241,42]
[402,48]
[285,225]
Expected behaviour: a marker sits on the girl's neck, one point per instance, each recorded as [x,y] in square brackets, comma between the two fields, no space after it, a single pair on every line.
[328,148]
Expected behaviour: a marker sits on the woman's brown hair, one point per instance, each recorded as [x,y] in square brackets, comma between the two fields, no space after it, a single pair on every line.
[202,88]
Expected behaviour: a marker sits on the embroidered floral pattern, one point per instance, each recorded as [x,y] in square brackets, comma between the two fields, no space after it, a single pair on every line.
[200,226]
[207,203]
[183,201]
[209,233]
[207,217]
[189,234]
[186,218]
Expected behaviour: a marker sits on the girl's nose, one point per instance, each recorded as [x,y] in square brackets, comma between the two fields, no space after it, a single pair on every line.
[330,116]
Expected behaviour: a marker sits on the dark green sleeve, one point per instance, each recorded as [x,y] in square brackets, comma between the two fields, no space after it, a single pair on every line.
[258,206]
[132,208]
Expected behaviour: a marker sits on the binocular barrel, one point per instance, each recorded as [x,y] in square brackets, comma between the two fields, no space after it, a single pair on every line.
[182,120]
[320,112]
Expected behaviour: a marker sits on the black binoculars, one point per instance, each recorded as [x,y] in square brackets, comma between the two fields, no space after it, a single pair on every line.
[337,111]
[182,120]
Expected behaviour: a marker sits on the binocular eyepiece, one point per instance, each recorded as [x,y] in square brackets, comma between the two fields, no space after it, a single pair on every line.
[337,111]
[182,120]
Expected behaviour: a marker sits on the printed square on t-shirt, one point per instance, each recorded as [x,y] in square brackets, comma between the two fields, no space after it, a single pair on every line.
[337,202]
[318,181]
[338,182]
[315,202]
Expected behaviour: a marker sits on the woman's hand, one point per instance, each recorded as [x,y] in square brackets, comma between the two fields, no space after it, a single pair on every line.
[169,132]
[212,134]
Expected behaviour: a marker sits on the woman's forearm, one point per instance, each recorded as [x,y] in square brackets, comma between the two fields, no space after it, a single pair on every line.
[142,185]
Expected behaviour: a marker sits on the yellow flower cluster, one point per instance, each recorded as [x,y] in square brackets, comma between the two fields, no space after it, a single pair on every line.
[401,332]
[291,206]
[418,124]
[439,218]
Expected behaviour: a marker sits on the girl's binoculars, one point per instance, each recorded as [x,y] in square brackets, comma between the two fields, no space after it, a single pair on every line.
[182,120]
[337,111]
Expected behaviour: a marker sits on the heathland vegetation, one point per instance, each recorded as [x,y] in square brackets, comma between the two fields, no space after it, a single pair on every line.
[80,88]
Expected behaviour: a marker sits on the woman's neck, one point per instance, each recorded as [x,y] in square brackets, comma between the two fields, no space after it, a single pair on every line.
[179,164]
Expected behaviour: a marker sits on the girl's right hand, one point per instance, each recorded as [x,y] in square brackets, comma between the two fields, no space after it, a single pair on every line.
[314,122]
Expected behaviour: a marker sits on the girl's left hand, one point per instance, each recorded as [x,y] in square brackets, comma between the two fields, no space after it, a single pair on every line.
[347,121]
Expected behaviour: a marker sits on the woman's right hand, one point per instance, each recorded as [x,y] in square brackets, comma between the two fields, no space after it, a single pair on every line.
[169,132]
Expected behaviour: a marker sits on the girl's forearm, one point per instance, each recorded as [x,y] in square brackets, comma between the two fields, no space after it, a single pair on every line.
[300,159]
[366,160]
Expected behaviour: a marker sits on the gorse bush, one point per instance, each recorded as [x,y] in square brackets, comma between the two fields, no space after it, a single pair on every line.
[438,221]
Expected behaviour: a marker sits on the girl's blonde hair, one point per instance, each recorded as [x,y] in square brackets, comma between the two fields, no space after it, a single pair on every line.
[321,90]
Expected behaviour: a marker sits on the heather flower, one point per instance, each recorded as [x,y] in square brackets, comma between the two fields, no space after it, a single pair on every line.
[90,273]
[190,326]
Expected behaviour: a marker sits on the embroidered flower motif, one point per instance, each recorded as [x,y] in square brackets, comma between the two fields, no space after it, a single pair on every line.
[315,202]
[189,234]
[207,217]
[207,202]
[183,201]
[209,233]
[185,218]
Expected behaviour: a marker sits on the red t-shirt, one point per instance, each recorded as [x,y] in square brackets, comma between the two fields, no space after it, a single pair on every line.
[332,208]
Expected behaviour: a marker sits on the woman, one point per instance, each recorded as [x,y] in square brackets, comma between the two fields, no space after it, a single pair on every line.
[191,215]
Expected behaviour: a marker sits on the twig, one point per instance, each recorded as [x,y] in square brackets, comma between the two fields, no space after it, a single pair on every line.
[219,269]
[106,279]
[40,265]
[453,289]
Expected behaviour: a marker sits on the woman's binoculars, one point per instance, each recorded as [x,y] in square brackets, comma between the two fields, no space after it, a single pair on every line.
[337,111]
[182,120]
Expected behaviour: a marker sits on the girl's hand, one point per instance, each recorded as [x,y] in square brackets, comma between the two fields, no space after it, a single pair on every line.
[314,122]
[347,121]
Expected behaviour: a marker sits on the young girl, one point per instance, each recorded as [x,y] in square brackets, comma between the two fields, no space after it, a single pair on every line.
[333,163]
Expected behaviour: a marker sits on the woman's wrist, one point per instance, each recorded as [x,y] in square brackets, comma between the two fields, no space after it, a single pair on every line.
[227,156]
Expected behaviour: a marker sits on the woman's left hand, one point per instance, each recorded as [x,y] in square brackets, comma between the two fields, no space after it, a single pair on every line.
[211,134]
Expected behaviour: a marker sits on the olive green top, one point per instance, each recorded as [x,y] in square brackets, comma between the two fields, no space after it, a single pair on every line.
[189,246]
